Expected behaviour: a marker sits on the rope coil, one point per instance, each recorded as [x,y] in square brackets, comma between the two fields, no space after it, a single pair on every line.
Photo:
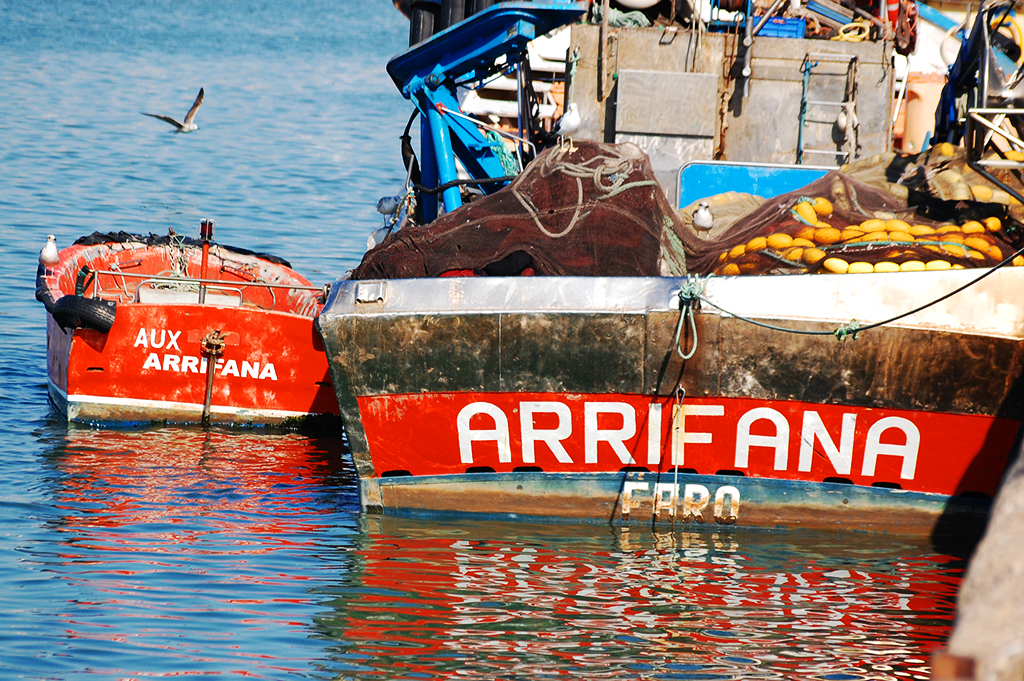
[690,291]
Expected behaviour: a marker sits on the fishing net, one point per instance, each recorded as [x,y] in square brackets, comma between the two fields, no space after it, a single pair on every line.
[884,214]
[579,209]
[151,239]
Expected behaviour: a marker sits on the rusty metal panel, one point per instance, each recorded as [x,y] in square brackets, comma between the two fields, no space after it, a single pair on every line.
[572,352]
[888,367]
[667,103]
[383,354]
[665,370]
[418,353]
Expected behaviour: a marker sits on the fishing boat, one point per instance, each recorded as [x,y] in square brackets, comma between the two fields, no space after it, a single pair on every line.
[784,374]
[144,329]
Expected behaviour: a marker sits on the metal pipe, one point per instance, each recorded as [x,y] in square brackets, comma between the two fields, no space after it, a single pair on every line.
[765,18]
[212,345]
[206,236]
[202,271]
[446,171]
[192,280]
[748,42]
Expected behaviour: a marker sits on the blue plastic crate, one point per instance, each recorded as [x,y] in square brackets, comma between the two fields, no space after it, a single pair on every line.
[778,27]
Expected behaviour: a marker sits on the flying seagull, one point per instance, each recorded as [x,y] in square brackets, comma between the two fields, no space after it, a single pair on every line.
[189,124]
[703,221]
[48,256]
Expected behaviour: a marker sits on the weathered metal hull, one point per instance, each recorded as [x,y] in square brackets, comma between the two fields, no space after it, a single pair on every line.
[566,398]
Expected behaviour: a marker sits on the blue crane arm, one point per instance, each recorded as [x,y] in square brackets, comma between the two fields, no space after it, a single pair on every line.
[468,52]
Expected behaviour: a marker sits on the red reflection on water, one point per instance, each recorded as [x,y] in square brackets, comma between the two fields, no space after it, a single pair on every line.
[487,600]
[193,551]
[251,481]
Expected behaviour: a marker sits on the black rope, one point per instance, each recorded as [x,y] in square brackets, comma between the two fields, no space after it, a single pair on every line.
[457,183]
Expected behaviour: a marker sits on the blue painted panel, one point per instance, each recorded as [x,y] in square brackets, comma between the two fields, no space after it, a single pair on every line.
[700,179]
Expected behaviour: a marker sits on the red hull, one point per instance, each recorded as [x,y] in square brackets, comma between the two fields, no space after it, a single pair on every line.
[150,365]
[454,433]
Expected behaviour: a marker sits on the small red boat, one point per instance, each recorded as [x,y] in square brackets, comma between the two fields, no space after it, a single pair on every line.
[175,329]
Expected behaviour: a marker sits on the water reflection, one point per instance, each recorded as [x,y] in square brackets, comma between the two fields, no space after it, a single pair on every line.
[189,552]
[482,600]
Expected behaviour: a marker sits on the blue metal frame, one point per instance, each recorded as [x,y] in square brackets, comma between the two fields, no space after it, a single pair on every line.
[701,179]
[429,73]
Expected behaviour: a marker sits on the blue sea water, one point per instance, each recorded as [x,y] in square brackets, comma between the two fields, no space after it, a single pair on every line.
[132,554]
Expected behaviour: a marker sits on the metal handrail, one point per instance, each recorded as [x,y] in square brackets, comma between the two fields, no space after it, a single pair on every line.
[241,296]
[196,280]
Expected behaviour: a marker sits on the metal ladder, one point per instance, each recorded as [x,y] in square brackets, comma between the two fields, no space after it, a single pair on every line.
[848,105]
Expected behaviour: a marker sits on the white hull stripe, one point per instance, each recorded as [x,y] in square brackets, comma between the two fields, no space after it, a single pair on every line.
[82,400]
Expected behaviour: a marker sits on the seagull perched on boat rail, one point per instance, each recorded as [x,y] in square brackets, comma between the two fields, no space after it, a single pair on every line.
[188,125]
[48,255]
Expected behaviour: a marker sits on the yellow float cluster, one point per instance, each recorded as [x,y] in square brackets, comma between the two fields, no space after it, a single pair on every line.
[816,243]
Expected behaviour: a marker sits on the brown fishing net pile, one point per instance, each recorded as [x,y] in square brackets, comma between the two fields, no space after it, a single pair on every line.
[884,214]
[581,209]
[591,209]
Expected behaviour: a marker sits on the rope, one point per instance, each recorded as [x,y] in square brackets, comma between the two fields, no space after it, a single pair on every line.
[690,291]
[508,161]
[458,183]
[608,173]
[853,32]
[853,328]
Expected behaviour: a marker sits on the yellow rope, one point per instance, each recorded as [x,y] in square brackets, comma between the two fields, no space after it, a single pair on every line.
[853,32]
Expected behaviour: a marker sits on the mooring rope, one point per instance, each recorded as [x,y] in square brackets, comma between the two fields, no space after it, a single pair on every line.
[690,292]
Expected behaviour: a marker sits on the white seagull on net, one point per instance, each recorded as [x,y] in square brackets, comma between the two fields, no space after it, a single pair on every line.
[48,256]
[568,123]
[703,220]
[188,125]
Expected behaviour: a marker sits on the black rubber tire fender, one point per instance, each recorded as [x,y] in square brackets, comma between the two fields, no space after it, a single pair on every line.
[72,312]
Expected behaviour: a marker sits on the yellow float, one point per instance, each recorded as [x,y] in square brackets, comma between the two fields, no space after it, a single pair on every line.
[822,206]
[812,255]
[756,244]
[836,265]
[806,212]
[827,235]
